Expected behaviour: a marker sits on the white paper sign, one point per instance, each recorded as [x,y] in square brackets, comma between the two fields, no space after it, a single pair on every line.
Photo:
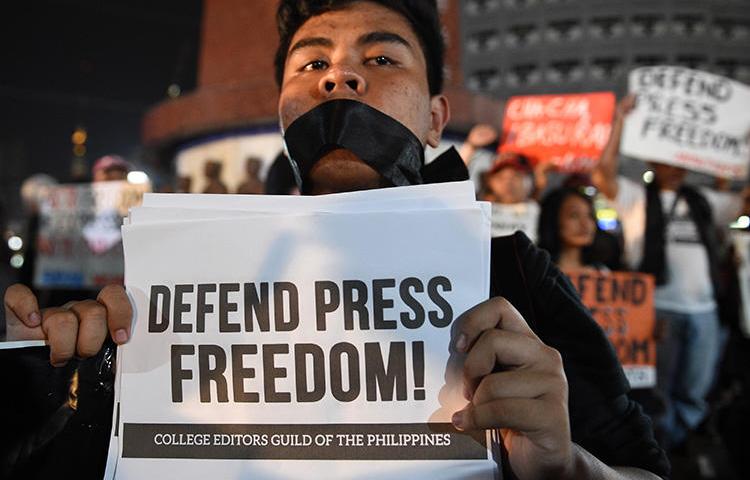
[507,219]
[689,118]
[311,345]
[79,243]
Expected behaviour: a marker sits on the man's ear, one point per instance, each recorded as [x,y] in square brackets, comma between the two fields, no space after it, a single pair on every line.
[440,113]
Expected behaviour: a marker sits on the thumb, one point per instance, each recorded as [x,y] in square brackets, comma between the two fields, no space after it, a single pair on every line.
[22,315]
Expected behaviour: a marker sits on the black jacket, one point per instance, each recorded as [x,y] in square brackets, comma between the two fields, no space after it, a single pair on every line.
[603,419]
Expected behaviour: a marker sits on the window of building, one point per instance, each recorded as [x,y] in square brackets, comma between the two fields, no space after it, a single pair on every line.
[483,41]
[484,79]
[606,27]
[689,25]
[527,73]
[564,30]
[564,71]
[480,7]
[732,29]
[648,25]
[648,60]
[522,34]
[605,68]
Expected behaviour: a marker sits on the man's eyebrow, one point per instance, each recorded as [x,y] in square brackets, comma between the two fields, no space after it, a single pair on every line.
[383,37]
[311,42]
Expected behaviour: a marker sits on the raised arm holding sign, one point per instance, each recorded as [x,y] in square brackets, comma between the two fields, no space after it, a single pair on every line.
[377,66]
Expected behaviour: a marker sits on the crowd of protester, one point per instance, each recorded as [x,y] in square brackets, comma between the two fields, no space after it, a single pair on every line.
[675,231]
[668,228]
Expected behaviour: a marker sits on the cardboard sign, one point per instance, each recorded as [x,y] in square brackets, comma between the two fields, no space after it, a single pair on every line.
[569,131]
[79,243]
[691,119]
[622,303]
[300,343]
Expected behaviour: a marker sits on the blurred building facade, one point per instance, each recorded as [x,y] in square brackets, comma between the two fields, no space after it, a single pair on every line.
[513,47]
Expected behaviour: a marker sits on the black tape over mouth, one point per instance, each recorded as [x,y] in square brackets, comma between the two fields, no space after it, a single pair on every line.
[378,140]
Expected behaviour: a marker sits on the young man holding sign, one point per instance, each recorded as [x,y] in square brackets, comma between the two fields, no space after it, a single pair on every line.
[378,64]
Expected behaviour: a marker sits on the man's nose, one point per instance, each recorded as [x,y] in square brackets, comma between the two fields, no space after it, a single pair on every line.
[342,80]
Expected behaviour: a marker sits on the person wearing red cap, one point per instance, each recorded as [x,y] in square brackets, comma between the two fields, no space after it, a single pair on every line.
[110,168]
[510,184]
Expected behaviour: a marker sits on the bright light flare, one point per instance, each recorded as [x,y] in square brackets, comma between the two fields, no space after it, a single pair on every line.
[16,261]
[15,243]
[137,177]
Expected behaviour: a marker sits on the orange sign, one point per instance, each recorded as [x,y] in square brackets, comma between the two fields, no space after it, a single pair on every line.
[569,131]
[622,303]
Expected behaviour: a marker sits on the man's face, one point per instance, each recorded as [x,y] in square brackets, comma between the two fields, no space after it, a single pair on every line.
[363,52]
[509,185]
[669,177]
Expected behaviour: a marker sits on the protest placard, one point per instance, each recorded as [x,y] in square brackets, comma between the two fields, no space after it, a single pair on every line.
[509,218]
[622,303]
[692,119]
[286,341]
[569,131]
[79,243]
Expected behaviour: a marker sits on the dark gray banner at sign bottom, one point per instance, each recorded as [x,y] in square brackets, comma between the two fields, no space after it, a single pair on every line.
[411,441]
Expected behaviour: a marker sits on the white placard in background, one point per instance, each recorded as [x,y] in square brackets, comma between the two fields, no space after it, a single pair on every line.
[692,119]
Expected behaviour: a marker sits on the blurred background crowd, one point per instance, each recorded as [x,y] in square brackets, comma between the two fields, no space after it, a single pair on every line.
[103,101]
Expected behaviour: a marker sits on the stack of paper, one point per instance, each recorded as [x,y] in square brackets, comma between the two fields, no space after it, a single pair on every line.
[300,337]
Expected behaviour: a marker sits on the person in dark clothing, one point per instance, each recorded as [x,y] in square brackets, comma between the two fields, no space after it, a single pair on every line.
[381,61]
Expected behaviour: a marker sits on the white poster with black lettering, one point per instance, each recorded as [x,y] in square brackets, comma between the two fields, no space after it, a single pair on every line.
[691,119]
[510,218]
[310,345]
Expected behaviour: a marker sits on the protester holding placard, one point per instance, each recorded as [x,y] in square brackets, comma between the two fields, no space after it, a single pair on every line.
[670,232]
[536,365]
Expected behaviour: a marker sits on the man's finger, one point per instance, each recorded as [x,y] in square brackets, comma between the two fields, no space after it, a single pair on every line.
[498,347]
[496,312]
[509,350]
[92,327]
[61,329]
[119,312]
[517,384]
[519,414]
[21,304]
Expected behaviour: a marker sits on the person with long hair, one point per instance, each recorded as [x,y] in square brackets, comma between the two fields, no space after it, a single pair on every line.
[568,230]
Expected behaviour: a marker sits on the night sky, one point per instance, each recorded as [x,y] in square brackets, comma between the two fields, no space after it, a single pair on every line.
[97,64]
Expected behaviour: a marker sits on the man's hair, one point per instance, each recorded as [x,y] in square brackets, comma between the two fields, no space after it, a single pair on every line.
[421,14]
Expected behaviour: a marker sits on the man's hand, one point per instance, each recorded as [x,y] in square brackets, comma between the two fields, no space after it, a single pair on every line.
[515,383]
[75,329]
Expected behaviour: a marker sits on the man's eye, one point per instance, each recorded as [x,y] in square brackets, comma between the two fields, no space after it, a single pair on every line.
[316,65]
[381,60]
